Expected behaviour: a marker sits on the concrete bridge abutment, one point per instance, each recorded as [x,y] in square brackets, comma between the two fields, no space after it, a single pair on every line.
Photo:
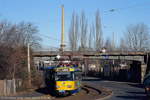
[143,71]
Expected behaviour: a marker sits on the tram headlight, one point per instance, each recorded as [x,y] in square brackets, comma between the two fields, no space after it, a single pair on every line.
[57,86]
[69,86]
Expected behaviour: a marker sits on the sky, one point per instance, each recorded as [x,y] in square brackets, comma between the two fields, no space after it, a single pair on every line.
[47,14]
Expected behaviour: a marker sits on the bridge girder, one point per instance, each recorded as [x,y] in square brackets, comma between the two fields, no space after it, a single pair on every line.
[131,56]
[128,58]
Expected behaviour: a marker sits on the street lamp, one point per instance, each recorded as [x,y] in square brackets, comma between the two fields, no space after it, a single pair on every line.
[113,50]
[113,34]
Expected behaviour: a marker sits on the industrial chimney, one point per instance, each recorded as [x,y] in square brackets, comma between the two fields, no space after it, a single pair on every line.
[63,31]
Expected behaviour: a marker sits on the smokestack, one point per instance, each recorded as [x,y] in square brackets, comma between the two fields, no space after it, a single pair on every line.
[63,31]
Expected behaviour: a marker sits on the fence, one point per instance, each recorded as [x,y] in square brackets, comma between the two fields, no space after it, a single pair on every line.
[9,86]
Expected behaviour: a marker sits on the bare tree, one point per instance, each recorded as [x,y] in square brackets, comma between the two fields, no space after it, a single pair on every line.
[108,44]
[93,35]
[13,40]
[17,35]
[74,32]
[83,24]
[136,37]
[122,46]
[98,35]
[90,39]
[28,31]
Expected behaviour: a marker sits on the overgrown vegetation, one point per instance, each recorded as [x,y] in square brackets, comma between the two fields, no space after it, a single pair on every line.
[13,52]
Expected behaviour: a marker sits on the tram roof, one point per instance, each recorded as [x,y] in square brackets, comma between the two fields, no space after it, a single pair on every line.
[49,67]
[74,69]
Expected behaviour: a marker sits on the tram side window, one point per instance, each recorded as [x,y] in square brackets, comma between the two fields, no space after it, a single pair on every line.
[48,74]
[77,76]
[44,73]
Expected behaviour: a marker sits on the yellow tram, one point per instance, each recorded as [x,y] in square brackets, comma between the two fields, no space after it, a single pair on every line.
[68,79]
[65,79]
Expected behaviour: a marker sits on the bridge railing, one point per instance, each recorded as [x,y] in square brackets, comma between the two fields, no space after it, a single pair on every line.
[57,49]
[49,49]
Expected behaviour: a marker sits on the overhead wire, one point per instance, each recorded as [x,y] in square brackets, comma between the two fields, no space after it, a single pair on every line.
[112,10]
[129,7]
[49,46]
[50,37]
[52,21]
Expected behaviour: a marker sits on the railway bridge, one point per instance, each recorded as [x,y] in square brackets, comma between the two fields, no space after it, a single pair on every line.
[140,60]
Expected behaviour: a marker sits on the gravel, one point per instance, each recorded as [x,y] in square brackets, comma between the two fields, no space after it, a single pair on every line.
[88,92]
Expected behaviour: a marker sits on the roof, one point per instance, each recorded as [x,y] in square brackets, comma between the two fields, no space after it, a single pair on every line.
[71,68]
[49,67]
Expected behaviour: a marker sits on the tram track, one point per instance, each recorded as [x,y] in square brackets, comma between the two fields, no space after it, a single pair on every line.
[87,92]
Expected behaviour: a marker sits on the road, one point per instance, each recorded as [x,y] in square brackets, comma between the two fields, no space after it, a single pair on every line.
[121,90]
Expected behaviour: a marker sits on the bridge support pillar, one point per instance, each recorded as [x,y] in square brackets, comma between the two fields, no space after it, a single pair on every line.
[97,68]
[143,72]
[85,67]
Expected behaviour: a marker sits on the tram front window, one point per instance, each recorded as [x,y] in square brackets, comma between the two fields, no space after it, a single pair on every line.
[63,76]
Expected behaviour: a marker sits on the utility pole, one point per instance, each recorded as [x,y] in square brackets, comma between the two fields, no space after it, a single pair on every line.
[112,76]
[85,67]
[113,41]
[113,36]
[28,53]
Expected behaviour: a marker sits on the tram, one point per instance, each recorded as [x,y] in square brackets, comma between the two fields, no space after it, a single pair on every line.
[65,79]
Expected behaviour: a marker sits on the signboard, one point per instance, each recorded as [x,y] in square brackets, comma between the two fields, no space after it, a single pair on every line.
[107,56]
[58,56]
[103,49]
